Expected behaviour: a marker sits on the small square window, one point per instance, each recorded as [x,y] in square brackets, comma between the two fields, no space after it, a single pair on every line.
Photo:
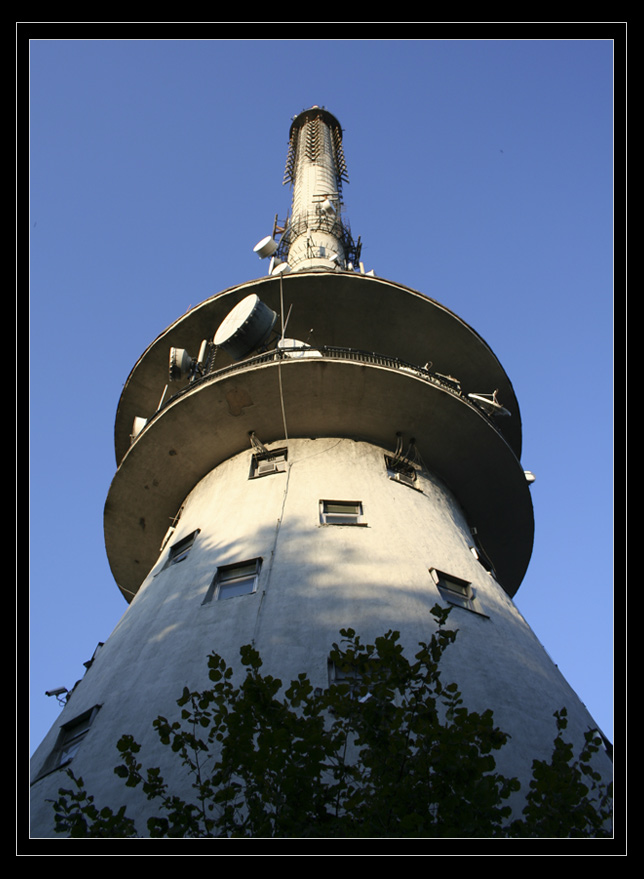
[401,471]
[233,580]
[341,513]
[180,549]
[454,590]
[268,463]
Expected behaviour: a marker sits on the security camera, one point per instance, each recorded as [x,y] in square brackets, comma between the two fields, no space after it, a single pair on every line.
[56,692]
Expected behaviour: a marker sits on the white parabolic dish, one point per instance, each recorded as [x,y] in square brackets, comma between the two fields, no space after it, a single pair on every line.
[245,327]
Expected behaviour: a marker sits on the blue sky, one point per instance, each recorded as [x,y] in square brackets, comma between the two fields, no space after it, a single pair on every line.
[481,174]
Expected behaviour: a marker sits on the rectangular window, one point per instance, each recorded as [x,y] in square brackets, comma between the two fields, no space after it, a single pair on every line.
[70,738]
[454,590]
[180,549]
[339,675]
[233,580]
[348,676]
[341,513]
[266,464]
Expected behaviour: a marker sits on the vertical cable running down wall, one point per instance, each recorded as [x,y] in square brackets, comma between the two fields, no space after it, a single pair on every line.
[288,474]
[279,364]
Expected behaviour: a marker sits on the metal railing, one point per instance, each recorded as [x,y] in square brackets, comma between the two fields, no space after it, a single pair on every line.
[325,352]
[446,383]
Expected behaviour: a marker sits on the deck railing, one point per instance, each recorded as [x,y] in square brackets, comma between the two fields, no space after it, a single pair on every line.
[284,355]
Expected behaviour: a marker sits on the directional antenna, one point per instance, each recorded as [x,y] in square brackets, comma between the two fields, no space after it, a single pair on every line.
[257,444]
[180,364]
[137,426]
[489,403]
[294,348]
[266,247]
[246,327]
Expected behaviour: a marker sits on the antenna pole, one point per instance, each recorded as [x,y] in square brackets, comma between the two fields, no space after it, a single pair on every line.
[316,168]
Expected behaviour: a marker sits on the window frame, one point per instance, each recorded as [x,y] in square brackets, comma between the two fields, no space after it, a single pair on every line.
[180,550]
[338,517]
[71,736]
[349,676]
[338,675]
[401,471]
[224,576]
[456,591]
[280,456]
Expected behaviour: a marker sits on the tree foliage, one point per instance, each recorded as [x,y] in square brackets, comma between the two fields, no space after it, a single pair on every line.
[388,750]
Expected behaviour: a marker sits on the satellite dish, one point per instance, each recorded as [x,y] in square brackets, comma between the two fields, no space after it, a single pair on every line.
[246,327]
[327,207]
[489,403]
[530,477]
[303,350]
[180,364]
[266,247]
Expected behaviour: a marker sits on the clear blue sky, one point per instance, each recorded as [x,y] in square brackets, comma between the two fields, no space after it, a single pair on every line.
[481,174]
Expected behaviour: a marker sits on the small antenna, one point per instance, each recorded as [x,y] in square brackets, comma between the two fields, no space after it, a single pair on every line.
[285,324]
[489,403]
[257,445]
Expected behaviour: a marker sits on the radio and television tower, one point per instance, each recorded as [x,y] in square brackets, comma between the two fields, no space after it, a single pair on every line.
[314,449]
